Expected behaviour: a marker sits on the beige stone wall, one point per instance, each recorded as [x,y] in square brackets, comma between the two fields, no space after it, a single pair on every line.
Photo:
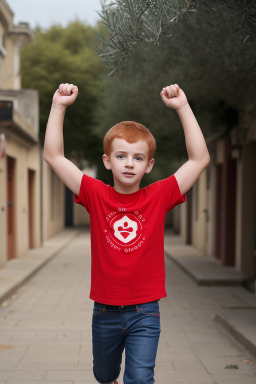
[25,110]
[199,211]
[183,221]
[81,216]
[176,218]
[21,132]
[6,42]
[12,37]
[53,200]
[210,249]
[34,164]
[3,212]
[202,206]
[25,160]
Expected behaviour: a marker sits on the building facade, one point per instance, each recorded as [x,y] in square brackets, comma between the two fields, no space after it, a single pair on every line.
[219,218]
[20,155]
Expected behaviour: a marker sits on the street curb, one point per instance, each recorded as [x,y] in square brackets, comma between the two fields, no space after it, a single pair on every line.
[181,266]
[18,284]
[198,274]
[235,332]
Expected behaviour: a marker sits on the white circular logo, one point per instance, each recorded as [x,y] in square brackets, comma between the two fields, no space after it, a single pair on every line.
[125,231]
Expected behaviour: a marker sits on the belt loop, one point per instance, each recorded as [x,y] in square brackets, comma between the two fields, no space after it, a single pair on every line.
[104,308]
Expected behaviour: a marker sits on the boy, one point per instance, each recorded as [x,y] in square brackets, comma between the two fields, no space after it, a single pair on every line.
[127,233]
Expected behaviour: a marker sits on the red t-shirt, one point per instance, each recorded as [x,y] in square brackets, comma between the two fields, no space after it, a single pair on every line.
[127,239]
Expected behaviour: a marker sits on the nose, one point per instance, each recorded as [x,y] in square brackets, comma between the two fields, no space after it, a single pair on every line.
[129,162]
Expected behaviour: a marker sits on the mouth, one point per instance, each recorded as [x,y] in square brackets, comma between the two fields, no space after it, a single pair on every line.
[128,174]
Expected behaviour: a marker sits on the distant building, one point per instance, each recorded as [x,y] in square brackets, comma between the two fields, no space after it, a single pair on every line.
[34,203]
[20,160]
[219,218]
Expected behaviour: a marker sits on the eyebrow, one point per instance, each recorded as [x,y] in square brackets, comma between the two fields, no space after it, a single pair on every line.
[135,154]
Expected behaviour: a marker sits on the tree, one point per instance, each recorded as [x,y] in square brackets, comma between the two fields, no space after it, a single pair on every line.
[132,22]
[66,55]
[208,54]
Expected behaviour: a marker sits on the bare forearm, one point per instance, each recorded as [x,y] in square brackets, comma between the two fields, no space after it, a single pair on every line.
[54,145]
[174,97]
[195,142]
[68,172]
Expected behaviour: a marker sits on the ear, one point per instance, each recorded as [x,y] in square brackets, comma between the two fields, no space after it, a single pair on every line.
[150,166]
[106,161]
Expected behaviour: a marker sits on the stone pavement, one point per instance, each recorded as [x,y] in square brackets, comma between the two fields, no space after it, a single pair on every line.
[45,327]
[239,316]
[17,271]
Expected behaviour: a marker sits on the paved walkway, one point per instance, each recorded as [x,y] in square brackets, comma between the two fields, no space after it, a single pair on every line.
[45,328]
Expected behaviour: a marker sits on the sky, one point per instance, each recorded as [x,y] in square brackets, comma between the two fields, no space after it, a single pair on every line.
[47,12]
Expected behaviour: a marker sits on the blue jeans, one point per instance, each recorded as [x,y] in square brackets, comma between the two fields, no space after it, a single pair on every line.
[135,328]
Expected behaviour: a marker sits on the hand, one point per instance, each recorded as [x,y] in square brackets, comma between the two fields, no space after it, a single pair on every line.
[65,95]
[173,96]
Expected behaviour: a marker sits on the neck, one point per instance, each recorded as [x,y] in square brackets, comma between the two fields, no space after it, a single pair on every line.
[126,189]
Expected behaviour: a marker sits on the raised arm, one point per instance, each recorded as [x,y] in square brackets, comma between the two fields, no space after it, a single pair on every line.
[198,155]
[54,146]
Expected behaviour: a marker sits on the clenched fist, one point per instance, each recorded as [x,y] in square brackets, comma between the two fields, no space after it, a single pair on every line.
[65,95]
[173,96]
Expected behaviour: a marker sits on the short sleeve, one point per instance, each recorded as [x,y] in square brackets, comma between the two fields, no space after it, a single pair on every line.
[171,193]
[84,193]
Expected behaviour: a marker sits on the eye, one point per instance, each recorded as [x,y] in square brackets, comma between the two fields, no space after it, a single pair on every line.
[138,158]
[120,156]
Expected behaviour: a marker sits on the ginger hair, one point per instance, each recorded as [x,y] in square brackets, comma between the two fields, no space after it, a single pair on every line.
[131,132]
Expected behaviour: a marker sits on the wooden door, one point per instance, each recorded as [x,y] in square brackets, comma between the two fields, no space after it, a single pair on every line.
[11,206]
[219,212]
[226,208]
[31,181]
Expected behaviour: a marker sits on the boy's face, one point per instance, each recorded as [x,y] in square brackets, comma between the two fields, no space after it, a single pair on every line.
[128,162]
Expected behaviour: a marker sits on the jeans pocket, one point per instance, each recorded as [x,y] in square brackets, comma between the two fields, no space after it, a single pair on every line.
[151,308]
[98,310]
